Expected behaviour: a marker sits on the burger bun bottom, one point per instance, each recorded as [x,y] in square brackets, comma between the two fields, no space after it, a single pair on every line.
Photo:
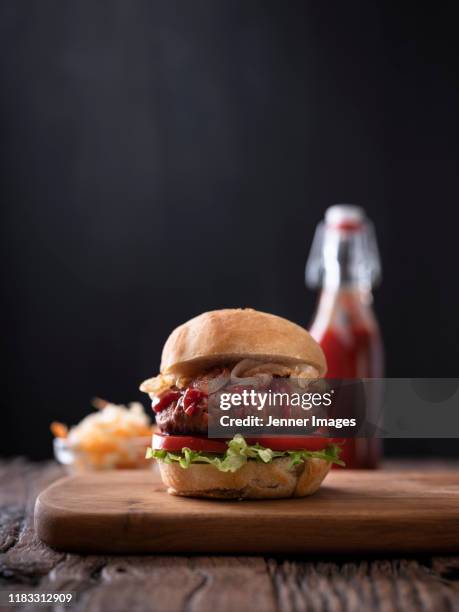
[253,481]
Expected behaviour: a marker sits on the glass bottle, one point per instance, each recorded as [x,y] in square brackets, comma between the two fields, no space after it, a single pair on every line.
[344,263]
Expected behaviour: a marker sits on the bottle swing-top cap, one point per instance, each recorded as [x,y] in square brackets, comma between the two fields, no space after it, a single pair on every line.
[344,251]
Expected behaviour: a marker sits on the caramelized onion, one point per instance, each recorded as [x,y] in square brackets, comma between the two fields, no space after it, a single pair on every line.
[213,381]
[252,371]
[158,384]
[217,383]
[246,370]
[240,368]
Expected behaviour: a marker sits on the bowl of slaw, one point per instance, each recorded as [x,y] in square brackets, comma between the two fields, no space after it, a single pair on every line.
[114,437]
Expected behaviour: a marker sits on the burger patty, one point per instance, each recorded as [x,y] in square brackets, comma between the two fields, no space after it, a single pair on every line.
[174,419]
[185,411]
[187,414]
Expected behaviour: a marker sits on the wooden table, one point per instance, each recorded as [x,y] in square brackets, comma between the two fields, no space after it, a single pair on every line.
[201,583]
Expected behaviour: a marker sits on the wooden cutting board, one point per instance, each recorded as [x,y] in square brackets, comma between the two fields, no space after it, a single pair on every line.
[130,512]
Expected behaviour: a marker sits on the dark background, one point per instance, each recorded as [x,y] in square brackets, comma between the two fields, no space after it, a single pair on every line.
[158,159]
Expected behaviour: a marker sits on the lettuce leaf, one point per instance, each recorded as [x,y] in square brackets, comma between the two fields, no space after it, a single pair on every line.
[239,452]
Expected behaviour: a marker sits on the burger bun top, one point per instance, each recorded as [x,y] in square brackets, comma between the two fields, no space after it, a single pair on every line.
[230,335]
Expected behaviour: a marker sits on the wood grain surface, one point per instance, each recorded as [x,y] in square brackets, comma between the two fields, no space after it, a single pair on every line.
[130,512]
[210,583]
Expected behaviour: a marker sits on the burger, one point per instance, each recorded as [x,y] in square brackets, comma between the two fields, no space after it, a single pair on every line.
[205,355]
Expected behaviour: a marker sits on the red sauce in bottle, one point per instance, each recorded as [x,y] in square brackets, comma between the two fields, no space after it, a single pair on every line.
[348,333]
[344,262]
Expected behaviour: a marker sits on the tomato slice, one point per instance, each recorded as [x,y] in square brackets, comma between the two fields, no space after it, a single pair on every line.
[311,443]
[201,443]
[196,443]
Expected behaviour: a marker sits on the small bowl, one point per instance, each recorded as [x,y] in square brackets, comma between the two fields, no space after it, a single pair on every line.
[130,456]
